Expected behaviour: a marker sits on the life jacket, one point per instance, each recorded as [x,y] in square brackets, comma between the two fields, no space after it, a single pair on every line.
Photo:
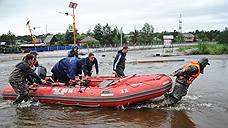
[191,78]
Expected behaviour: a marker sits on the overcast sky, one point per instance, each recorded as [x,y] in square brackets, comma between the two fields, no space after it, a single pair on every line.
[162,14]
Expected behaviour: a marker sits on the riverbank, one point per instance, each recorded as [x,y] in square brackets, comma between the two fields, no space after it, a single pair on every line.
[203,48]
[63,53]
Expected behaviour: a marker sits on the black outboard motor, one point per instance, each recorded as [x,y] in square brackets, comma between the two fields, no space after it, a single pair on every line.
[41,72]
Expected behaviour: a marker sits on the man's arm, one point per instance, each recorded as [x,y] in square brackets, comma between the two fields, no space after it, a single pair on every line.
[116,61]
[96,66]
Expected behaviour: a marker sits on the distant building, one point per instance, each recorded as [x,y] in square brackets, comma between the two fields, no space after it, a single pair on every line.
[88,39]
[188,37]
[50,39]
[2,43]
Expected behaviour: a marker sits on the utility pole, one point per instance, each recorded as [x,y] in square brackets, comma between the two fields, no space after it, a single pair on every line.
[180,24]
[30,30]
[46,29]
[73,6]
[121,36]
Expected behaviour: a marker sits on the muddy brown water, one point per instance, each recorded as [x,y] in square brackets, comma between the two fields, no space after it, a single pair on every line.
[205,106]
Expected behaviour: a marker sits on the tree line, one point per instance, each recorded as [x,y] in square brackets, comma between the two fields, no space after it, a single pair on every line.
[111,36]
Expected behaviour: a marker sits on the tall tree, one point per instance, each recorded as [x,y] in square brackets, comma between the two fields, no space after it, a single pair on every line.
[107,35]
[116,36]
[98,34]
[147,33]
[134,36]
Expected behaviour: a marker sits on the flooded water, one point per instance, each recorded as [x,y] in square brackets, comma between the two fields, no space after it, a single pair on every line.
[205,106]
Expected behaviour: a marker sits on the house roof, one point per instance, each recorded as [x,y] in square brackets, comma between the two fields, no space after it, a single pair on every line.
[88,39]
[188,35]
[48,38]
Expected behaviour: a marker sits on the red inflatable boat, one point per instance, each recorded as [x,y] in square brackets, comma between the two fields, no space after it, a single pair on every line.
[101,91]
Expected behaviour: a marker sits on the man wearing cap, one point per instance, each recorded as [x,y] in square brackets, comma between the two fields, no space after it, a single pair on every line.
[184,77]
[119,62]
[67,69]
[35,54]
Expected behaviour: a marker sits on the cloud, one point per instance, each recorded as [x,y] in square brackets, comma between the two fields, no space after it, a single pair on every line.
[162,14]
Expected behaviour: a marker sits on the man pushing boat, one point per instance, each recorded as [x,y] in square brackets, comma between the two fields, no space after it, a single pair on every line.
[22,76]
[67,69]
[184,78]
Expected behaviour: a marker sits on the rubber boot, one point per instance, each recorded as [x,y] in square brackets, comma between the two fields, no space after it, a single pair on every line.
[20,98]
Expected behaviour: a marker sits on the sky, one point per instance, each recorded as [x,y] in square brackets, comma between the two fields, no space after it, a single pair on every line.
[129,14]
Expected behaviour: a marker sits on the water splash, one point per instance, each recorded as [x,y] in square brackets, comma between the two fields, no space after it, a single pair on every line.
[27,104]
[192,97]
[188,103]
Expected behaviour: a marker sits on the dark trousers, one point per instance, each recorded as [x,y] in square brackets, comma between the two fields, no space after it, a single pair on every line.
[20,87]
[179,91]
[119,71]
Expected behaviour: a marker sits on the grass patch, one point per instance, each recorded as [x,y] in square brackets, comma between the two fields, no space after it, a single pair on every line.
[184,48]
[202,48]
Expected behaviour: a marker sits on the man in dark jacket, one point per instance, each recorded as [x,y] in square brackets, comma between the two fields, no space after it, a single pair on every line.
[66,69]
[119,62]
[185,76]
[73,52]
[21,75]
[89,62]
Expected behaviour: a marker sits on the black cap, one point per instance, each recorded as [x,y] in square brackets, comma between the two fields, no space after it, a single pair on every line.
[33,53]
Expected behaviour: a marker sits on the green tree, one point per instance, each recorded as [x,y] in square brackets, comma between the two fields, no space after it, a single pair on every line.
[89,33]
[24,39]
[222,37]
[107,35]
[9,38]
[147,33]
[69,37]
[116,36]
[97,32]
[134,35]
[60,37]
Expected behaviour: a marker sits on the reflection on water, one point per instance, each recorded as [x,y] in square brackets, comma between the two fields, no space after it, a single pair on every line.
[60,116]
[204,106]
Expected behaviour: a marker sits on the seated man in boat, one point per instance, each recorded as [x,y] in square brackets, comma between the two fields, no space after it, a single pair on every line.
[73,52]
[89,62]
[67,69]
[185,76]
[119,62]
[21,75]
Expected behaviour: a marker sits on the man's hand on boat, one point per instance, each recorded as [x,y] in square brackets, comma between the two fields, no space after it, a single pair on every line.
[114,72]
[71,82]
[43,81]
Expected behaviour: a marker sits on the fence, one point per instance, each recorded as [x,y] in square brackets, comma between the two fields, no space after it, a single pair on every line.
[50,48]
